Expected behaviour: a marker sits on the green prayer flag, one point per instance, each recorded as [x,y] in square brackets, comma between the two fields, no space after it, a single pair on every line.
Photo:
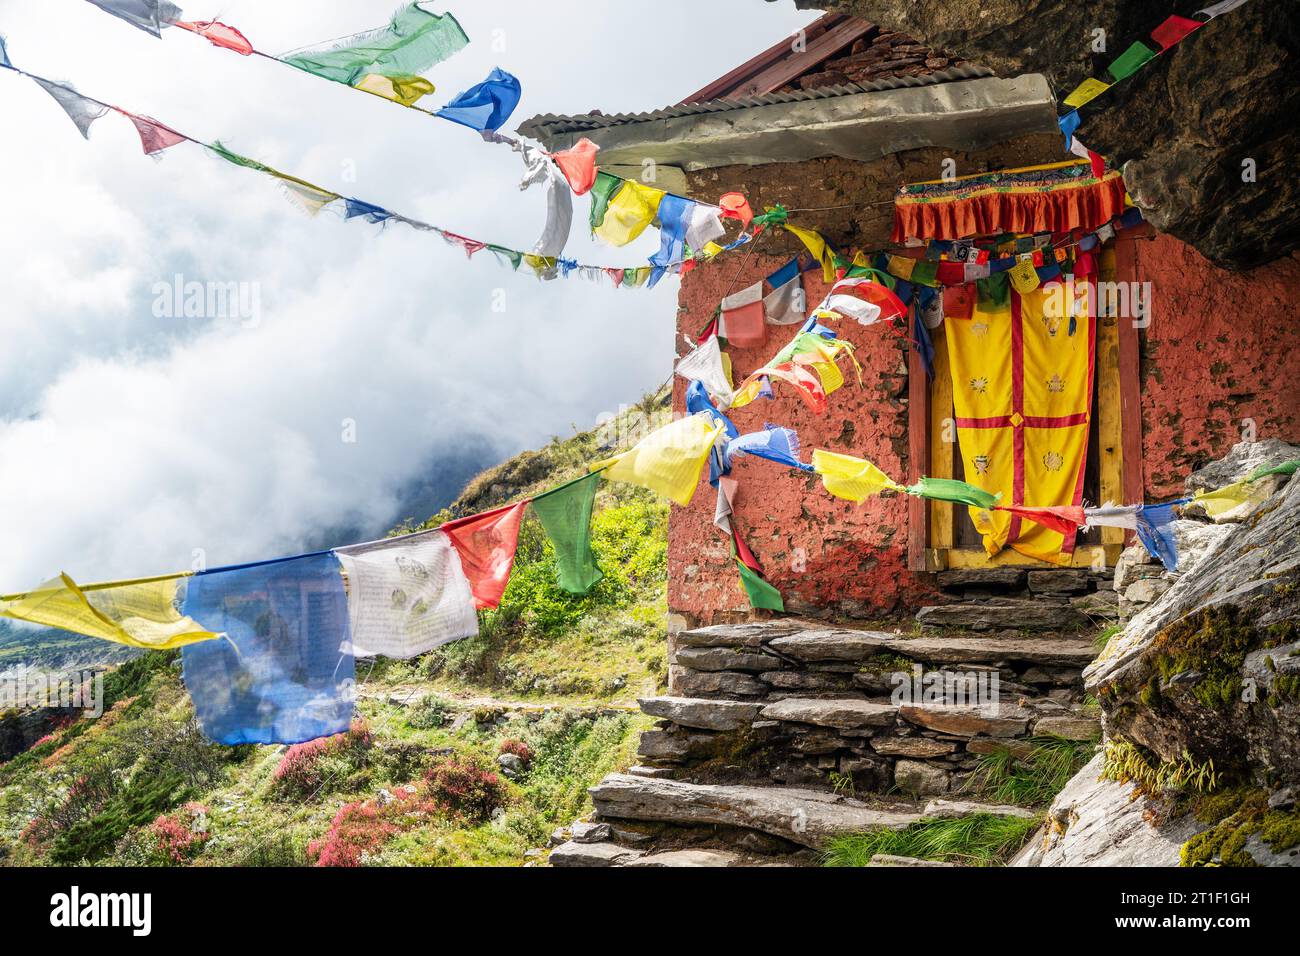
[602,191]
[413,41]
[512,256]
[993,291]
[1130,60]
[232,157]
[565,513]
[1286,468]
[950,489]
[761,594]
[925,272]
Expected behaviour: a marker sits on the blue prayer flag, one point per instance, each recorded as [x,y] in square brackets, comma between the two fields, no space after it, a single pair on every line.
[784,274]
[1155,533]
[1068,123]
[284,672]
[373,213]
[774,443]
[486,105]
[674,219]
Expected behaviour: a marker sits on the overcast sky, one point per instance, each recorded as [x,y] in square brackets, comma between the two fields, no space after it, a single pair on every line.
[128,440]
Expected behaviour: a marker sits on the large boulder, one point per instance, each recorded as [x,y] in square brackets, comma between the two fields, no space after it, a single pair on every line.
[1181,127]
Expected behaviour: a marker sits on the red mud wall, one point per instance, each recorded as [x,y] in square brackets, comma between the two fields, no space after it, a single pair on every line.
[1221,347]
[821,552]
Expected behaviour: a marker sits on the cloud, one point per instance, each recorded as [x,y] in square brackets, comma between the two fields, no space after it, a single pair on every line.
[130,439]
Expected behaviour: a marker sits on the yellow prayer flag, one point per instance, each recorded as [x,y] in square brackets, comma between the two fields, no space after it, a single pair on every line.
[668,460]
[819,248]
[400,89]
[1087,90]
[540,264]
[855,479]
[712,249]
[901,266]
[1024,276]
[632,209]
[1222,500]
[137,613]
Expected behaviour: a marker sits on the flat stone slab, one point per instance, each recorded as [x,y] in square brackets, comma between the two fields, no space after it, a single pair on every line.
[1059,581]
[1071,728]
[959,649]
[832,645]
[967,721]
[702,713]
[950,809]
[889,859]
[737,635]
[724,659]
[690,858]
[1020,613]
[920,747]
[959,578]
[841,713]
[686,682]
[593,854]
[806,817]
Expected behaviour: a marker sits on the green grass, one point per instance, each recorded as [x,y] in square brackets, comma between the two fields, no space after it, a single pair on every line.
[1037,777]
[978,840]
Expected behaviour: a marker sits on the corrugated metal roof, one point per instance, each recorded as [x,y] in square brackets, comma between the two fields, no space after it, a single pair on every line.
[551,124]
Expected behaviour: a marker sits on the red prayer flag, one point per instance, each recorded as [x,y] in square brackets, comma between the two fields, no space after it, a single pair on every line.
[219,34]
[470,246]
[578,163]
[154,136]
[950,273]
[742,551]
[486,544]
[1173,30]
[1065,519]
[736,206]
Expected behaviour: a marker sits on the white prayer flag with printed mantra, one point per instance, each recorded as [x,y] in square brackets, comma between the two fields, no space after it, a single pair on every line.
[704,362]
[785,305]
[844,301]
[406,595]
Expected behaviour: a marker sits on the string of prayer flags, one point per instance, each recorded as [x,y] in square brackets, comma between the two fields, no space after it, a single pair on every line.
[565,514]
[951,489]
[820,249]
[413,41]
[1220,501]
[139,613]
[669,460]
[1065,520]
[578,164]
[736,206]
[854,479]
[1155,533]
[1112,516]
[674,219]
[406,595]
[221,35]
[147,15]
[81,110]
[487,105]
[486,544]
[628,212]
[743,323]
[284,672]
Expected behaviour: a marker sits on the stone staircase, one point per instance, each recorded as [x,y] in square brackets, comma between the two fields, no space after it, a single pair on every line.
[781,734]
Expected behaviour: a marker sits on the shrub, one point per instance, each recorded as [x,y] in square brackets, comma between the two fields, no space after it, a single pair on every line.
[461,787]
[305,768]
[428,712]
[361,828]
[518,748]
[175,839]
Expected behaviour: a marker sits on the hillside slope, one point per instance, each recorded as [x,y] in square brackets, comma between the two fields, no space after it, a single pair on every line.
[471,754]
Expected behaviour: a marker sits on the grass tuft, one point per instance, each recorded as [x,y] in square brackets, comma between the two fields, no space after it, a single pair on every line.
[977,840]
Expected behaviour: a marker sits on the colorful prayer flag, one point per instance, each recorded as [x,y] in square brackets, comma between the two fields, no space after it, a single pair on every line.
[219,34]
[1112,516]
[1222,500]
[1156,535]
[774,443]
[821,250]
[1065,520]
[80,110]
[761,594]
[669,460]
[628,212]
[284,671]
[863,300]
[565,514]
[413,41]
[674,215]
[743,322]
[136,613]
[736,206]
[1088,90]
[578,163]
[148,15]
[486,543]
[704,364]
[602,191]
[854,479]
[1130,61]
[154,136]
[406,595]
[406,90]
[1174,28]
[950,489]
[706,225]
[486,105]
[785,304]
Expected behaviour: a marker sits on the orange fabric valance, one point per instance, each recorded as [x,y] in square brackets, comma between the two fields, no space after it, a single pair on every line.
[1041,199]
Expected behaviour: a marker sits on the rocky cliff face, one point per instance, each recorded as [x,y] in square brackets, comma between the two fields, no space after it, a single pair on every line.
[1182,126]
[1200,695]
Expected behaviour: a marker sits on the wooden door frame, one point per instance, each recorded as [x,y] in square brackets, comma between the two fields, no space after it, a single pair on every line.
[930,540]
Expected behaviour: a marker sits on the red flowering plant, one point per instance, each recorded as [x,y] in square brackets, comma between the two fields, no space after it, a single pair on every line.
[174,839]
[360,829]
[461,787]
[304,770]
[518,748]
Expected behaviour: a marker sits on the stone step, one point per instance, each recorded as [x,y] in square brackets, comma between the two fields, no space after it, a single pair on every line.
[1022,614]
[889,859]
[954,809]
[593,854]
[838,645]
[701,713]
[805,817]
